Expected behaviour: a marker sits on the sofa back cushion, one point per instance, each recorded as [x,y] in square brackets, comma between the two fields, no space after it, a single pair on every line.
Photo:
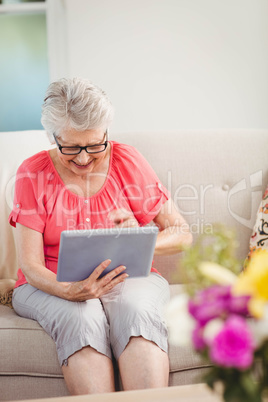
[15,147]
[213,175]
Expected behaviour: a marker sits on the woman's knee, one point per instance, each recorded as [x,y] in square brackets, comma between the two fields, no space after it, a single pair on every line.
[133,311]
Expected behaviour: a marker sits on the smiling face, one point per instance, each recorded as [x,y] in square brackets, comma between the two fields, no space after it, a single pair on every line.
[83,163]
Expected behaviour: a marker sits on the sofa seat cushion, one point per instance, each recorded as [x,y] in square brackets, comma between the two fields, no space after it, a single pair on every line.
[183,358]
[26,349]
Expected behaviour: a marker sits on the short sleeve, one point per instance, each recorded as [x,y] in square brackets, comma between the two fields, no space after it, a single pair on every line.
[28,206]
[144,191]
[259,237]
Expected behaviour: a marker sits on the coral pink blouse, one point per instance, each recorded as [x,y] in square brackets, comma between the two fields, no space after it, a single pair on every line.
[44,203]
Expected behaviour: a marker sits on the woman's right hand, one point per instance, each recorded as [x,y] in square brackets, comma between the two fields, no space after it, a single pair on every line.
[94,287]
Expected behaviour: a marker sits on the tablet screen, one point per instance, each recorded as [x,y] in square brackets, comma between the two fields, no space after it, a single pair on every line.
[81,251]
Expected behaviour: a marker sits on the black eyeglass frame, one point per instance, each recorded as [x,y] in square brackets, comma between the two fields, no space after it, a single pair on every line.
[105,144]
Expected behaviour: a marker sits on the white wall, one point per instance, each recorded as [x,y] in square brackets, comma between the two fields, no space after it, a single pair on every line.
[171,64]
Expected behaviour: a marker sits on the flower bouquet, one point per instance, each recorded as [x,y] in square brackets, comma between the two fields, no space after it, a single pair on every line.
[223,313]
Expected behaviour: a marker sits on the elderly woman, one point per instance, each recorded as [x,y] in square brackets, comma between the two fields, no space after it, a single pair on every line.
[89,182]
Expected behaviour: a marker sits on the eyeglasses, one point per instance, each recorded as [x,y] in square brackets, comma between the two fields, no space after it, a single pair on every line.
[90,149]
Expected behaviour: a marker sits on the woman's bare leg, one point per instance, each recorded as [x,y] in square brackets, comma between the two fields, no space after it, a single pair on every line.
[89,372]
[143,365]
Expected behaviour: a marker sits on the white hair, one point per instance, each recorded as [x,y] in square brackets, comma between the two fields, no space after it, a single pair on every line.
[75,103]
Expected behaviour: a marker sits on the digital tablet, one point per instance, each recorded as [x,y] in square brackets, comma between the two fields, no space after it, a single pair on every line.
[81,251]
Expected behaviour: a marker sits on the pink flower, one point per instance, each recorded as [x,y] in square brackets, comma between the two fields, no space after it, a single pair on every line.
[233,346]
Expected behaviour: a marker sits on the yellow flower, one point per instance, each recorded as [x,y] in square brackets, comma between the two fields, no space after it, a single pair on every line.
[254,282]
[256,307]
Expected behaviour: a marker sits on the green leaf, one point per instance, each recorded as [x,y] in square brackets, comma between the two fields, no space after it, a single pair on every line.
[219,246]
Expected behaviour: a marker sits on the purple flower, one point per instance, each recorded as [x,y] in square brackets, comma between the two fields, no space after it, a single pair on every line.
[210,303]
[233,346]
[216,301]
[239,305]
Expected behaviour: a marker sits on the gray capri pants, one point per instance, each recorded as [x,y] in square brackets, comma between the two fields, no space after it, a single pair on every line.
[132,308]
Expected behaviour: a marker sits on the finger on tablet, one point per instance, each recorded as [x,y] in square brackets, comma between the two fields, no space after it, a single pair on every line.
[99,270]
[113,274]
[119,278]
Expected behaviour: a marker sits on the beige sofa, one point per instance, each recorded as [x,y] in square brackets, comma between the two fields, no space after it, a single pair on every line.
[214,176]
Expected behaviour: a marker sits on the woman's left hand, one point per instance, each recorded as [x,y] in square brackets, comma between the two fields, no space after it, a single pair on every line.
[174,233]
[122,218]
